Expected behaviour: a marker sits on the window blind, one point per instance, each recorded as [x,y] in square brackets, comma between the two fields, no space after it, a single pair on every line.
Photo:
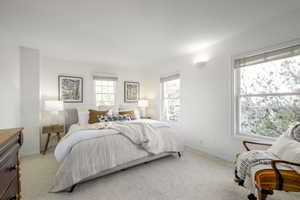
[170,78]
[107,78]
[267,56]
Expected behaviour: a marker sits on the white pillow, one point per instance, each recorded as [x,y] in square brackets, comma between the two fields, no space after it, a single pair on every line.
[83,113]
[83,117]
[287,149]
[127,107]
[112,110]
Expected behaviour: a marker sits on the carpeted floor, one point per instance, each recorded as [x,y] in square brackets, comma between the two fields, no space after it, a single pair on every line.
[195,176]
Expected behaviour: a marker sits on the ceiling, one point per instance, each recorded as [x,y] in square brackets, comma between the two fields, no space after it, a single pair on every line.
[132,33]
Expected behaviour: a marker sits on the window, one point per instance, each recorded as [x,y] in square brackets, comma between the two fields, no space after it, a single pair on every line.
[170,98]
[105,90]
[267,92]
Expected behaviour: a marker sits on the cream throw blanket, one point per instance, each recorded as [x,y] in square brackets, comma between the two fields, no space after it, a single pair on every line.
[146,135]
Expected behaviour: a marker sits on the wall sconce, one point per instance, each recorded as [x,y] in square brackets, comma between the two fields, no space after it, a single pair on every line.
[201,61]
[200,64]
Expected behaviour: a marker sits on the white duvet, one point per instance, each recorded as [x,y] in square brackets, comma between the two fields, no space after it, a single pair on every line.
[79,133]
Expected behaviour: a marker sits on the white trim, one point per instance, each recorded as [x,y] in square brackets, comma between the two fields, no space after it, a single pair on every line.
[270,94]
[170,78]
[105,78]
[265,49]
[267,56]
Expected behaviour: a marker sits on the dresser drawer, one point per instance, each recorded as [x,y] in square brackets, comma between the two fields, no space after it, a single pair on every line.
[7,146]
[8,168]
[12,192]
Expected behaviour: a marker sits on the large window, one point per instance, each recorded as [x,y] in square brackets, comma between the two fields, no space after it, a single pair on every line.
[105,90]
[170,98]
[267,92]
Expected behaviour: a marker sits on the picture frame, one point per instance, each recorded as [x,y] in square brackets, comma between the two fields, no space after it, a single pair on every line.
[70,89]
[131,91]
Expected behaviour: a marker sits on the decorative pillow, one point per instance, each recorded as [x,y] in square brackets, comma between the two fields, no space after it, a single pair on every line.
[288,149]
[109,118]
[130,107]
[94,116]
[296,132]
[130,113]
[280,145]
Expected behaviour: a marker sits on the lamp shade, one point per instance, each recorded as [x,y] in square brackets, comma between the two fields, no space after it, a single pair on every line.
[143,103]
[54,106]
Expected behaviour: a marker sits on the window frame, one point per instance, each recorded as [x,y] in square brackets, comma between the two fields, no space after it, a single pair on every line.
[236,88]
[162,97]
[102,78]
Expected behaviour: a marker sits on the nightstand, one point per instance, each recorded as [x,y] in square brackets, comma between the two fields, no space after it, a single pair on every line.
[50,130]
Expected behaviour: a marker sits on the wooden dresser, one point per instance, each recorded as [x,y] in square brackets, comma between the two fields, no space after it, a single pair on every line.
[10,143]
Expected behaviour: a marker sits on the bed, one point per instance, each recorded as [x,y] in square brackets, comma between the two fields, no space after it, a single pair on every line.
[87,153]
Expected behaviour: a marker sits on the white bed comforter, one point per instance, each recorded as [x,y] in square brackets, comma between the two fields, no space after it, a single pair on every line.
[85,152]
[79,133]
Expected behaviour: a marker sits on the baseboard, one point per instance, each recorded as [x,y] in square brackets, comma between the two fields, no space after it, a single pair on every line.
[25,154]
[208,151]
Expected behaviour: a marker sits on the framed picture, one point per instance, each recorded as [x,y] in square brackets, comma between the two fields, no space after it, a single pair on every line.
[70,89]
[131,92]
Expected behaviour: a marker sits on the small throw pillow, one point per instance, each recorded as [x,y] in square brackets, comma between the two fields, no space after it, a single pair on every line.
[296,132]
[280,145]
[124,118]
[130,113]
[111,118]
[94,116]
[288,149]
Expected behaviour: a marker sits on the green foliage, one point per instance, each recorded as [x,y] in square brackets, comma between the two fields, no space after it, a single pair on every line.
[269,100]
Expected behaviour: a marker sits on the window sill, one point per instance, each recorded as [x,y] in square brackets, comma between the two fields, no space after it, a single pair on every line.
[254,138]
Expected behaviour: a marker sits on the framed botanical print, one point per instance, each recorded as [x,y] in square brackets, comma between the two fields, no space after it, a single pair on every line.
[131,92]
[70,89]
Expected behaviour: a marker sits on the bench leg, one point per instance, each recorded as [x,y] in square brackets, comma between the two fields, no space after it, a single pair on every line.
[72,188]
[262,194]
[252,197]
[179,154]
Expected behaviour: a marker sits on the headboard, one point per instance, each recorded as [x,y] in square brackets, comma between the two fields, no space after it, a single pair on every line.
[71,117]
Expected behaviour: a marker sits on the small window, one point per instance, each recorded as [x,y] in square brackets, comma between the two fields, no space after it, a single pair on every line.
[105,91]
[267,92]
[170,98]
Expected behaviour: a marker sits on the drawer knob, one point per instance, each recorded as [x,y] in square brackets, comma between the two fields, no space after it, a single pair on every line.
[12,168]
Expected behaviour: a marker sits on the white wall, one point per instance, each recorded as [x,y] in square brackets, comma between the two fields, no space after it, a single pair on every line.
[9,85]
[30,99]
[206,91]
[51,68]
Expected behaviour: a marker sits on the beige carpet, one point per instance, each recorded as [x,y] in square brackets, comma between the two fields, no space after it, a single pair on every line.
[195,176]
